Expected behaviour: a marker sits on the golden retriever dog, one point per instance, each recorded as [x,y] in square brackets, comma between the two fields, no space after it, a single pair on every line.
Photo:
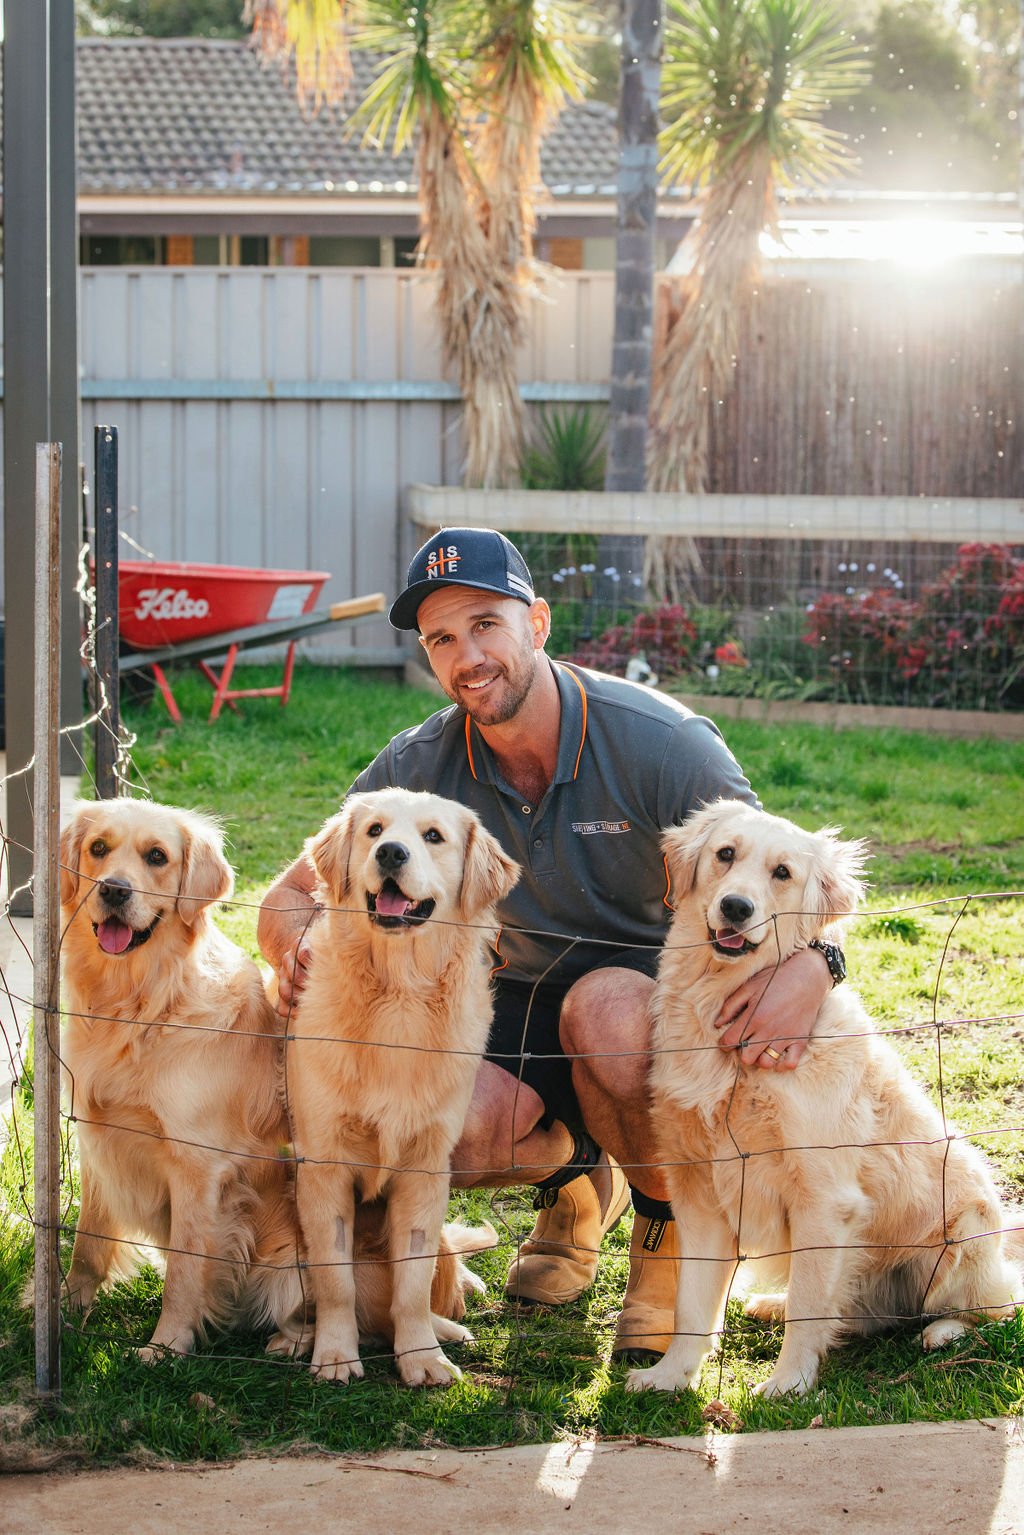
[383,1052]
[839,1175]
[172,1059]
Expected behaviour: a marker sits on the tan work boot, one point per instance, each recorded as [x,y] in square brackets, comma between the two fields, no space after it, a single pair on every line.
[558,1260]
[647,1319]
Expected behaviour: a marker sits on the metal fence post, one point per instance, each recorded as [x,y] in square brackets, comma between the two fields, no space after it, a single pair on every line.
[108,724]
[46,916]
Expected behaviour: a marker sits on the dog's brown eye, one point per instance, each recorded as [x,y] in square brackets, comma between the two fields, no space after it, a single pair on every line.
[156,857]
[433,835]
[781,872]
[98,849]
[725,854]
[374,830]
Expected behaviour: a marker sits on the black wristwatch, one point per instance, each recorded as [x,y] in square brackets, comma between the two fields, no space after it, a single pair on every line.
[835,959]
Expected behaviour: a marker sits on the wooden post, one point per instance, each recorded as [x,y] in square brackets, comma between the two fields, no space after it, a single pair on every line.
[46,915]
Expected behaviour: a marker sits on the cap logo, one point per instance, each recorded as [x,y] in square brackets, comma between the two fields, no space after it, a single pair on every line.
[443,562]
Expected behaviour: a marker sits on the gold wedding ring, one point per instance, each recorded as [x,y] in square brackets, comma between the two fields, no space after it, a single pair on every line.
[776,1055]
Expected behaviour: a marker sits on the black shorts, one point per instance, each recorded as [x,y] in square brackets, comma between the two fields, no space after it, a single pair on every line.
[524,1035]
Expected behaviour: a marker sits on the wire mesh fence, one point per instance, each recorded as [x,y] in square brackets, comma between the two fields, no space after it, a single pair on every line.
[882,623]
[514,1349]
[498,1332]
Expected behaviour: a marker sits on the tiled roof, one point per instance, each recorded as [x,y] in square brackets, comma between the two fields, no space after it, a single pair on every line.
[191,115]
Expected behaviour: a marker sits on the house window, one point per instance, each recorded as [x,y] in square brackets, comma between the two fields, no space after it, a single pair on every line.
[344,250]
[121,250]
[253,250]
[206,250]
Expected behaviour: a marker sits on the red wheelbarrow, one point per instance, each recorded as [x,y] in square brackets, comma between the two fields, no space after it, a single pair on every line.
[172,611]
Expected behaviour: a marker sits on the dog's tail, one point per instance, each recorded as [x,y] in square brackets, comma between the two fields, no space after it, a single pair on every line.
[452,1279]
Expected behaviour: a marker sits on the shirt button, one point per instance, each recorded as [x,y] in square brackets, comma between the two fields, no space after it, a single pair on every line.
[527,809]
[538,841]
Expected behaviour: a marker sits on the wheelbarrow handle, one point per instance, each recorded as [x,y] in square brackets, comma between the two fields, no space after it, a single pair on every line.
[355,607]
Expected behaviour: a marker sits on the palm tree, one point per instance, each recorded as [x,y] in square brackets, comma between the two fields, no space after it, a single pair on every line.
[747,83]
[473,85]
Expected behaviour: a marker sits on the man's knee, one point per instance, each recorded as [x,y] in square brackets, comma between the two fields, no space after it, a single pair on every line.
[501,1113]
[605,1026]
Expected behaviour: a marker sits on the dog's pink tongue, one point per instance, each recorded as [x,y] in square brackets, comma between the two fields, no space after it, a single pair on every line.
[728,938]
[392,903]
[114,935]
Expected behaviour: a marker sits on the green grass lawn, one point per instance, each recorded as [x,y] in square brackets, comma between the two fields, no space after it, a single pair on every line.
[937,954]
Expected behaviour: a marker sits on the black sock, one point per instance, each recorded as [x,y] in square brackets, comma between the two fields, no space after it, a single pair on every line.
[653,1209]
[584,1158]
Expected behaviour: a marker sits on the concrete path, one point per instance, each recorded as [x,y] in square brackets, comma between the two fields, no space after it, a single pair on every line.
[916,1480]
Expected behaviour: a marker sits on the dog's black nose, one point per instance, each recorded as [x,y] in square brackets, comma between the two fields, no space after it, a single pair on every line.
[736,909]
[115,891]
[391,856]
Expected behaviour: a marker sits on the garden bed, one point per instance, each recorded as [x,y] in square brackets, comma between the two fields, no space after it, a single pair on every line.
[967,724]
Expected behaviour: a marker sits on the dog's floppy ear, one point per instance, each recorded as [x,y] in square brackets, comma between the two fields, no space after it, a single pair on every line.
[837,880]
[206,875]
[683,845]
[331,851]
[488,872]
[71,839]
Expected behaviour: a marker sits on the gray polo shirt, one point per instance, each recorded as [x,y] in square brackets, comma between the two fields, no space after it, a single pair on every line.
[630,763]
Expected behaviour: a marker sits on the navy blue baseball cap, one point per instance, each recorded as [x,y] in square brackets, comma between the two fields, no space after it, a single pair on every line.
[476,557]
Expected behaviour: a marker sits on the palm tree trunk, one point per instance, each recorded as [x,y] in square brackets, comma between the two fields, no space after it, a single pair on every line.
[629,398]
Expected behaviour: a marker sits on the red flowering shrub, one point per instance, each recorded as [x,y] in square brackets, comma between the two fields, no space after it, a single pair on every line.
[968,628]
[960,645]
[862,637]
[664,635]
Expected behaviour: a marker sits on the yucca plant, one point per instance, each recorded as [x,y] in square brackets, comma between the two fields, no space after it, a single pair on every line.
[746,84]
[565,451]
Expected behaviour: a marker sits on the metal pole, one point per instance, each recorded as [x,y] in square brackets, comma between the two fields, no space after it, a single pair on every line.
[108,724]
[27,354]
[46,915]
[64,424]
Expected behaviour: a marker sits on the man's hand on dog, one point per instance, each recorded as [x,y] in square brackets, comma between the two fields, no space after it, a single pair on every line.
[293,975]
[770,1017]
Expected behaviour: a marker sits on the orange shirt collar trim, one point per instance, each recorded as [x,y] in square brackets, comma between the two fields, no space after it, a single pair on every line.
[583,730]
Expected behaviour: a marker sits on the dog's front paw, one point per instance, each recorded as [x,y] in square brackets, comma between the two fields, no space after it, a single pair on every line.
[421,1368]
[662,1376]
[788,1382]
[338,1371]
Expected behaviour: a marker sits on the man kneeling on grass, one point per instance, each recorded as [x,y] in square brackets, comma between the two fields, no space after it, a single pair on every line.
[576,773]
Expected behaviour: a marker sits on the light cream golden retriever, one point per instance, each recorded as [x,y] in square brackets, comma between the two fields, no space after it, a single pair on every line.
[838,1175]
[388,1038]
[172,1060]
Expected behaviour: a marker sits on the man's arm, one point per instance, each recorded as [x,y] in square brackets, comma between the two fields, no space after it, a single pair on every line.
[283,926]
